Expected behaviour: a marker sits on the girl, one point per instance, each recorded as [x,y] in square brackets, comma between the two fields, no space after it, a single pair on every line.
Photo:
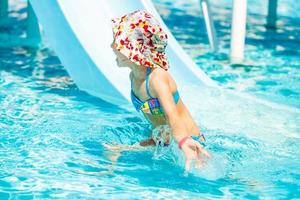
[139,44]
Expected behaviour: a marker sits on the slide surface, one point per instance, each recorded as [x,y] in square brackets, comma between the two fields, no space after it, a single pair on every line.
[80,33]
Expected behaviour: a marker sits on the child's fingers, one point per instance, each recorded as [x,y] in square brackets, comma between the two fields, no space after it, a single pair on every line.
[200,150]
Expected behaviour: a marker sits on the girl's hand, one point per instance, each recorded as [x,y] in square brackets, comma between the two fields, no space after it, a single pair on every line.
[192,151]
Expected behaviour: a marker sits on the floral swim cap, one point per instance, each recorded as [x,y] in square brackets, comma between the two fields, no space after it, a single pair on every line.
[139,36]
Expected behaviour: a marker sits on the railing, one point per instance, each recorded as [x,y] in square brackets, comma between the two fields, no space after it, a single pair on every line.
[210,28]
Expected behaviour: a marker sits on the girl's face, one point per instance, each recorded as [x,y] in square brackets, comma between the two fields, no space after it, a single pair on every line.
[122,61]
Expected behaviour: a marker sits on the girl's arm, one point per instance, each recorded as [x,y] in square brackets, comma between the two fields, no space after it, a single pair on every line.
[191,149]
[162,90]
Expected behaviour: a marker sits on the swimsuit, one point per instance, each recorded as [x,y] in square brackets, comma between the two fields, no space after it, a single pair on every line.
[152,105]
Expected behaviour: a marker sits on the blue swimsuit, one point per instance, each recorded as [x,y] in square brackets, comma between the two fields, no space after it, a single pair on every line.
[152,105]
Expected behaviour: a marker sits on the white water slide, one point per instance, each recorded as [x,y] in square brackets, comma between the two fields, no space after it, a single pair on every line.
[80,33]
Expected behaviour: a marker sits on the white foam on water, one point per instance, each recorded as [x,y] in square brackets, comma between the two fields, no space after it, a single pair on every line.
[241,114]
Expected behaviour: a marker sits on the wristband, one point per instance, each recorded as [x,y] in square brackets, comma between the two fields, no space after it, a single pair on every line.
[182,141]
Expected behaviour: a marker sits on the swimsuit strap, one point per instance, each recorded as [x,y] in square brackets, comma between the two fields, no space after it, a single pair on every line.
[147,82]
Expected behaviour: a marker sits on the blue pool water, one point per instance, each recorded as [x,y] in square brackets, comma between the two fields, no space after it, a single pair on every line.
[51,134]
[272,66]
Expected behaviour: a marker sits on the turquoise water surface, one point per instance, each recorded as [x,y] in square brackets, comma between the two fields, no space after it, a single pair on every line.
[52,134]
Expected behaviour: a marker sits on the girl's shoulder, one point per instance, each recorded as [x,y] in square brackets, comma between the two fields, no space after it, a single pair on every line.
[160,74]
[160,77]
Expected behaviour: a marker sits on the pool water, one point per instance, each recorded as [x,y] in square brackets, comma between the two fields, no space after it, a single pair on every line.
[272,65]
[52,134]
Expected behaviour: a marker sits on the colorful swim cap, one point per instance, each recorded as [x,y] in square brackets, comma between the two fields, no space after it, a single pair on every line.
[139,36]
